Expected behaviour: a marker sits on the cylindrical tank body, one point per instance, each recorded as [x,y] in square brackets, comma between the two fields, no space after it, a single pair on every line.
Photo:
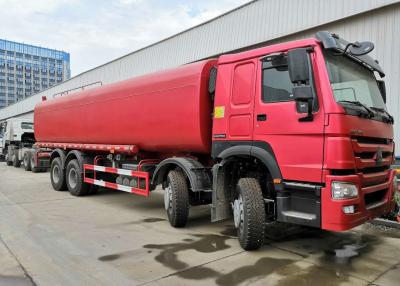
[168,111]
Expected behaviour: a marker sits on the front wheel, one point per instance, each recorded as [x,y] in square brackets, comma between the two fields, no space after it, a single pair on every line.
[249,214]
[176,198]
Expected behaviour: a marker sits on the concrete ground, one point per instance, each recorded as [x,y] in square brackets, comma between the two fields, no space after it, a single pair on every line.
[112,238]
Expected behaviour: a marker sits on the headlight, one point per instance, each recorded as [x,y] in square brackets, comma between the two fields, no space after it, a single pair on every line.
[344,190]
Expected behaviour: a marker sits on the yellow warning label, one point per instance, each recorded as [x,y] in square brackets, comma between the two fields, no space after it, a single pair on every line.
[219,112]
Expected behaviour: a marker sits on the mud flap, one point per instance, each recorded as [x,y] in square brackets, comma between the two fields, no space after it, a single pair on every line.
[220,208]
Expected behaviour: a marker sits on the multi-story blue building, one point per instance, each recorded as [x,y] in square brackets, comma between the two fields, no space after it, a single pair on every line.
[26,70]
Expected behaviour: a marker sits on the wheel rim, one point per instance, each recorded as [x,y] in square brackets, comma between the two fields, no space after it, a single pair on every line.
[32,162]
[56,174]
[72,178]
[238,213]
[168,197]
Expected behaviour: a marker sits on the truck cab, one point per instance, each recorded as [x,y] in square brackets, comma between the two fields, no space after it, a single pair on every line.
[18,135]
[308,120]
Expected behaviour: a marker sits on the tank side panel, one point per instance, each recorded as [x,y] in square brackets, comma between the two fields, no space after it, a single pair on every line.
[163,112]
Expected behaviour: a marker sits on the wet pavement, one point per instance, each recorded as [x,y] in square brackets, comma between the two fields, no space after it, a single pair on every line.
[112,238]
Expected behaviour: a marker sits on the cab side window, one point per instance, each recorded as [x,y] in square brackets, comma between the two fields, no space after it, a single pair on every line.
[276,84]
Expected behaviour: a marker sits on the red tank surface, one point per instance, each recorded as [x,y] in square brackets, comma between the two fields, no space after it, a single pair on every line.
[168,111]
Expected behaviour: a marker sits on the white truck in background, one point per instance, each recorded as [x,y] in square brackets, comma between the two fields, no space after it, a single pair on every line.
[1,146]
[17,144]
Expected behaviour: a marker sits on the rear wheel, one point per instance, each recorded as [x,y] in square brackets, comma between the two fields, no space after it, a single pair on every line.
[57,176]
[15,160]
[34,169]
[8,160]
[27,161]
[249,214]
[176,199]
[74,179]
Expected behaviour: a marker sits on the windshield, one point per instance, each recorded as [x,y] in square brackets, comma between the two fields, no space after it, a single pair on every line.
[351,81]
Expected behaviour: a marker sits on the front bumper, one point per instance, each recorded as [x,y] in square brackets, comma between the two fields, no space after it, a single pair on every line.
[372,202]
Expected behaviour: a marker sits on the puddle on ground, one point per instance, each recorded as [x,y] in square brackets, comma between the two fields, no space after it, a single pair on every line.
[336,253]
[110,257]
[229,231]
[336,263]
[142,221]
[344,247]
[262,268]
[152,219]
[205,244]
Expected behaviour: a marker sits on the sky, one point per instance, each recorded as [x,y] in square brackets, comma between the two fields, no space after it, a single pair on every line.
[96,32]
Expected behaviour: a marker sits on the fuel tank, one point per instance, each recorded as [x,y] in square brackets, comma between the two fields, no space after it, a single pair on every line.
[168,111]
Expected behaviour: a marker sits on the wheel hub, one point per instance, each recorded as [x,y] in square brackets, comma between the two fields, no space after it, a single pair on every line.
[56,174]
[238,212]
[72,178]
[167,197]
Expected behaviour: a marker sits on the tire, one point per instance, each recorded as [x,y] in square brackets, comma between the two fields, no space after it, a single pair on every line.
[74,179]
[34,169]
[176,199]
[57,175]
[16,163]
[8,162]
[27,161]
[249,214]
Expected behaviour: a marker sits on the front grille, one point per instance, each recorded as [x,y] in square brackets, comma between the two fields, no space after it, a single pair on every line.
[372,154]
[373,157]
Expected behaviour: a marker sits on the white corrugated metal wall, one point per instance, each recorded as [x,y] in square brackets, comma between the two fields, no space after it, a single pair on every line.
[262,21]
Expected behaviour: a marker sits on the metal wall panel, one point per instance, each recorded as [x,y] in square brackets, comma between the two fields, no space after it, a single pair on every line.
[263,21]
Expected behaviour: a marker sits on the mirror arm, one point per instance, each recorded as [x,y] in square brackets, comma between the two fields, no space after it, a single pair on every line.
[310,115]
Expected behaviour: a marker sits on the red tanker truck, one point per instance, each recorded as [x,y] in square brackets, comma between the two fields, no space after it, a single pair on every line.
[296,132]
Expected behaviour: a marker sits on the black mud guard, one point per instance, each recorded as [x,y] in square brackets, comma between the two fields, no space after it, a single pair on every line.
[260,150]
[199,176]
[81,157]
[58,153]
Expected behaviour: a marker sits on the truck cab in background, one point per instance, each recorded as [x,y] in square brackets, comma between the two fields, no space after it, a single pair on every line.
[1,146]
[17,142]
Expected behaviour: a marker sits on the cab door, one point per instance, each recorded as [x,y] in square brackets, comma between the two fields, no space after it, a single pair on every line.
[297,146]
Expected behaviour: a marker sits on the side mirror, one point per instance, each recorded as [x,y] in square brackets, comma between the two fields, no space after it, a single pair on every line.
[298,66]
[303,95]
[382,88]
[299,73]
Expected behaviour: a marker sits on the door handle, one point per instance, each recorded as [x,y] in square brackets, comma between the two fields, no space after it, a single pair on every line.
[261,117]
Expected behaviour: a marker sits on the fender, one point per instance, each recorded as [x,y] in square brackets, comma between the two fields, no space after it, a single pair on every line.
[199,176]
[82,159]
[260,150]
[58,153]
